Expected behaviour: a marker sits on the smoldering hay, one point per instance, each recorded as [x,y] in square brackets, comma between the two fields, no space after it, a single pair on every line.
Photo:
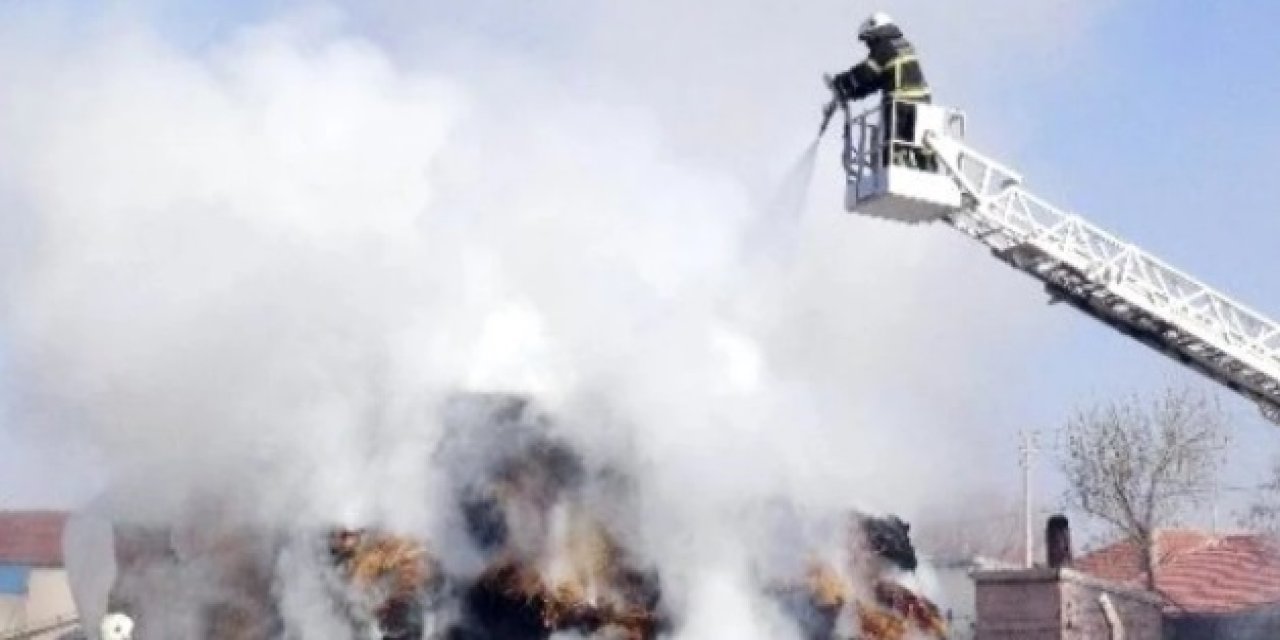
[551,547]
[257,272]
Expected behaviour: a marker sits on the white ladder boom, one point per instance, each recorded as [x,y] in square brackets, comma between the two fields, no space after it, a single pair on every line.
[1114,281]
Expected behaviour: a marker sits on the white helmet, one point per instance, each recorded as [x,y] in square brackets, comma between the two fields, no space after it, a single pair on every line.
[117,626]
[877,20]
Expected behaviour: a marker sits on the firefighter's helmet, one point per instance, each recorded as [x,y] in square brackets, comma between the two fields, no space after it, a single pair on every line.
[877,20]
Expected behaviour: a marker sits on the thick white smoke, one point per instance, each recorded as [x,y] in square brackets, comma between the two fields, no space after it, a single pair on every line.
[257,266]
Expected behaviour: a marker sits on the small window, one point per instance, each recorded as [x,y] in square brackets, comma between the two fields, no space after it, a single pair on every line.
[13,579]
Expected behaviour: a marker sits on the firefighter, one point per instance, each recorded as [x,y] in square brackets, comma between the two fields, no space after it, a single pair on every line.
[892,69]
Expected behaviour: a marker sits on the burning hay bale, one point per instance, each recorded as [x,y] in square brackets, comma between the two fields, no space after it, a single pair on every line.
[388,580]
[828,602]
[513,598]
[912,609]
[850,590]
[534,511]
[552,563]
[512,601]
[543,539]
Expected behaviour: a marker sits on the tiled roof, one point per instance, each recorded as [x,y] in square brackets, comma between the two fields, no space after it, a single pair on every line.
[1197,572]
[32,538]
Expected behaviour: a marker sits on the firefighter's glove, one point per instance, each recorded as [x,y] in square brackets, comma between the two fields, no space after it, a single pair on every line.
[837,87]
[830,82]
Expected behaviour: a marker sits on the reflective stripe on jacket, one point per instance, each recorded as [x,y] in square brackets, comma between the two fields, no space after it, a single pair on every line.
[891,67]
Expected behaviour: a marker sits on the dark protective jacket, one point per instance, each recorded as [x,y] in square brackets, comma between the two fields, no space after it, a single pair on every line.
[891,68]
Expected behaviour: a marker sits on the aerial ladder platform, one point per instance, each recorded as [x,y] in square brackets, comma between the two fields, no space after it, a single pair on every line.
[936,177]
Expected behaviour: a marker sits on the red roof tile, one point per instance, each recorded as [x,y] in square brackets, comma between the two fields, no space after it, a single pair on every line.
[32,537]
[1197,572]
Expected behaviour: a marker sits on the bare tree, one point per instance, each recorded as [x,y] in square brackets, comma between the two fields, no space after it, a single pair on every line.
[1264,514]
[1139,463]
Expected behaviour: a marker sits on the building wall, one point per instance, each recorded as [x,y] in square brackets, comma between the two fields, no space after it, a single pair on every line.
[1084,617]
[1256,625]
[49,599]
[13,612]
[1017,609]
[1047,604]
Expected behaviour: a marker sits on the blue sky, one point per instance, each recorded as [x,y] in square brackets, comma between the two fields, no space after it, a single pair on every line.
[1177,99]
[1157,126]
[1164,137]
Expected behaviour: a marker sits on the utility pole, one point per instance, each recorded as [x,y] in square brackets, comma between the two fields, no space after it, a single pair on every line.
[1026,449]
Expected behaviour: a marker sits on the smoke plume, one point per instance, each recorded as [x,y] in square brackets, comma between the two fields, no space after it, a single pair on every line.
[251,271]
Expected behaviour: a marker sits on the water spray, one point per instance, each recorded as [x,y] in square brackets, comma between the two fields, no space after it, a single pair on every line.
[776,232]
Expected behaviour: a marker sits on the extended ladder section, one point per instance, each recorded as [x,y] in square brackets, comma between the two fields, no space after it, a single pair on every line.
[1079,263]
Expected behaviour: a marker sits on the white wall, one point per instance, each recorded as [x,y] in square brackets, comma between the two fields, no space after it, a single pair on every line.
[48,600]
[954,592]
[13,612]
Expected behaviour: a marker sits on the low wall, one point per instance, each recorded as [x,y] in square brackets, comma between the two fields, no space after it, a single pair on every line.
[1059,604]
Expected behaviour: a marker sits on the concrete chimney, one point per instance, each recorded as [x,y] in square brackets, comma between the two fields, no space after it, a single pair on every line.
[1057,538]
